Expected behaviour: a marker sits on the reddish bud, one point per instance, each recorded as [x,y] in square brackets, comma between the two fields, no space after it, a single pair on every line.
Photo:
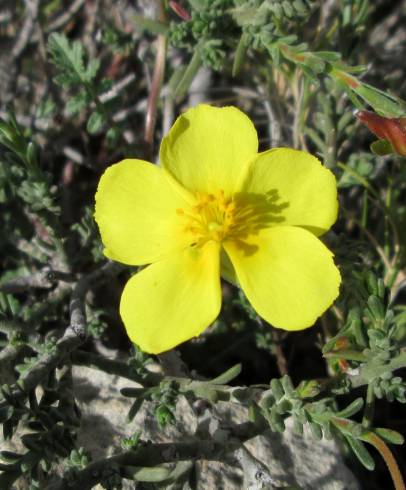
[179,10]
[343,365]
[390,129]
[341,343]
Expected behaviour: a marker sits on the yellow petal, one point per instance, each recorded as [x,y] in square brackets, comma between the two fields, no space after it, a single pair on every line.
[209,148]
[173,300]
[303,190]
[136,213]
[287,274]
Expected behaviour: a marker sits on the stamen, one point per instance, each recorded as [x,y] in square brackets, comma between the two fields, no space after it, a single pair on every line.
[217,217]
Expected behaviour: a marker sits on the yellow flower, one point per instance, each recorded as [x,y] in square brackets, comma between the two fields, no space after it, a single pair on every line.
[218,207]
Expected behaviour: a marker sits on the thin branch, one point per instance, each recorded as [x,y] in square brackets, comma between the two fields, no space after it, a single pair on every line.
[281,361]
[363,376]
[389,459]
[66,16]
[117,88]
[27,28]
[114,367]
[157,79]
[38,280]
[77,325]
[275,134]
[74,335]
[147,455]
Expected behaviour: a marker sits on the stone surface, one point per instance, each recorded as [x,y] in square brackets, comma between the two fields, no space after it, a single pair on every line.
[291,459]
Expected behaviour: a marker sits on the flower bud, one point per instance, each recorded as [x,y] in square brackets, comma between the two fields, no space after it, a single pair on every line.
[179,10]
[392,130]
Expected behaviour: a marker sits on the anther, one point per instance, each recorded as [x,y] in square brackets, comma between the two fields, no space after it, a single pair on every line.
[220,196]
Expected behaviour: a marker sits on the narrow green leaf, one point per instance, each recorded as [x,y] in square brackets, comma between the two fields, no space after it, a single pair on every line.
[359,178]
[197,4]
[312,134]
[389,435]
[113,135]
[344,121]
[134,408]
[10,457]
[46,108]
[384,104]
[255,414]
[227,376]
[288,9]
[287,384]
[353,408]
[283,407]
[327,430]
[361,452]
[277,389]
[308,389]
[92,69]
[6,131]
[78,102]
[132,392]
[316,431]
[95,122]
[32,154]
[301,7]
[189,74]
[329,56]
[362,12]
[11,119]
[240,55]
[276,421]
[357,101]
[154,474]
[5,414]
[314,63]
[376,308]
[31,442]
[6,392]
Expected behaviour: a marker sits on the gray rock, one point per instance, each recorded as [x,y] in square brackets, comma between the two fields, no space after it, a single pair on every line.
[290,459]
[269,461]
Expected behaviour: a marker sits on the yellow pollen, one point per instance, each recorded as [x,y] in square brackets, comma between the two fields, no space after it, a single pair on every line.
[217,217]
[214,226]
[210,218]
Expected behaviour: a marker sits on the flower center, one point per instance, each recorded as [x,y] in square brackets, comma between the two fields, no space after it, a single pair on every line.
[216,217]
[212,218]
